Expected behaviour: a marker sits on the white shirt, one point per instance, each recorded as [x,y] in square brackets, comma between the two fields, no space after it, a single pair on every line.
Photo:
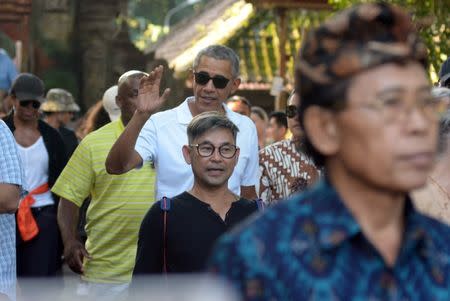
[163,136]
[35,165]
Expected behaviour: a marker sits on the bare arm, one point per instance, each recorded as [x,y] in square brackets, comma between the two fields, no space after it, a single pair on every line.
[123,157]
[9,198]
[74,250]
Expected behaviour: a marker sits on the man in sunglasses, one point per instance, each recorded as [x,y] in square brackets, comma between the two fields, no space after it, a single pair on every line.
[285,168]
[196,217]
[43,156]
[159,137]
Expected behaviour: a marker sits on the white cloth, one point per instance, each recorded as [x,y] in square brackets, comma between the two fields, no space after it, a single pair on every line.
[35,165]
[163,136]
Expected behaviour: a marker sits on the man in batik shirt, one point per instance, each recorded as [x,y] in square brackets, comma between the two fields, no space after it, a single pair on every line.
[285,168]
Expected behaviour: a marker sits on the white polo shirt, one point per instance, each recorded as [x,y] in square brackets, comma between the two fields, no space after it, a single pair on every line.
[162,138]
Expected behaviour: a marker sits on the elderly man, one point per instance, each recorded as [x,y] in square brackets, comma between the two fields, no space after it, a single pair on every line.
[59,109]
[160,137]
[369,117]
[11,181]
[118,204]
[43,156]
[197,217]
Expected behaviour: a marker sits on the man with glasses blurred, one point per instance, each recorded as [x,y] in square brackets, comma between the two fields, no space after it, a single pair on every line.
[369,117]
[180,241]
[43,156]
[159,137]
[285,168]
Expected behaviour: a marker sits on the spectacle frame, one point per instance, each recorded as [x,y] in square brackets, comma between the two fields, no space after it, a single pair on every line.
[227,151]
[202,78]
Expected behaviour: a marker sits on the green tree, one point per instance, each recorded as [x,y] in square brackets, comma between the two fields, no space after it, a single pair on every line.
[432,18]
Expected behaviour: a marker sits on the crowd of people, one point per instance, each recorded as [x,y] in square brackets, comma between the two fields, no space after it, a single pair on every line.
[344,195]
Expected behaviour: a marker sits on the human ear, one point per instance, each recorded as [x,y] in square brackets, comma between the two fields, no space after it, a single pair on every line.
[187,154]
[321,128]
[119,101]
[235,85]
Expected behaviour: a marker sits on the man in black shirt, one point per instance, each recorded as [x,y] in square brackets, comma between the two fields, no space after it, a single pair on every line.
[177,234]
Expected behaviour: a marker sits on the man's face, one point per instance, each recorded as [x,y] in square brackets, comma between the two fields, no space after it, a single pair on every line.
[293,123]
[26,110]
[214,170]
[207,96]
[274,131]
[390,147]
[127,96]
[239,107]
[65,117]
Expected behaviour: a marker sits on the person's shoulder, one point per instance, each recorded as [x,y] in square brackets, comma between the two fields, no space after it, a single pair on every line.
[246,204]
[274,147]
[437,231]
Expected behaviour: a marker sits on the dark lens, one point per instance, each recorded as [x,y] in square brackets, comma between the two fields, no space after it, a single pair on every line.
[227,151]
[220,82]
[201,78]
[26,103]
[291,111]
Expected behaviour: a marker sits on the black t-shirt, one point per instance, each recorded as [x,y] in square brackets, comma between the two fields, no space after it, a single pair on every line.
[192,228]
[70,140]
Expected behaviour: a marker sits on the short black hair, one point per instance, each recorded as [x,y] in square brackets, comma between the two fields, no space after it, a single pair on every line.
[207,121]
[280,118]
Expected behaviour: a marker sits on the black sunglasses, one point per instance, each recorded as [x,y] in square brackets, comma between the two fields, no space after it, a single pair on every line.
[291,111]
[202,78]
[34,103]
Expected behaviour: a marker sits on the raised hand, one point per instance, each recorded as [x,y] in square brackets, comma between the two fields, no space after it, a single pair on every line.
[149,101]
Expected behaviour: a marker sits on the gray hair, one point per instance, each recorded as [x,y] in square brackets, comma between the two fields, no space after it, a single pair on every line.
[219,52]
[261,113]
[208,121]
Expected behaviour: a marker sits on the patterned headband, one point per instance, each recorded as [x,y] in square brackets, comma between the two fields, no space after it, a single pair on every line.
[354,40]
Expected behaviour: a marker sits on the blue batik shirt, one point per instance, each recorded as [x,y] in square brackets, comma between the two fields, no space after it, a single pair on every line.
[311,248]
[11,172]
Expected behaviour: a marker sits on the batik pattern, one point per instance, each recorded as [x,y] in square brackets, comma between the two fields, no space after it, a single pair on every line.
[311,248]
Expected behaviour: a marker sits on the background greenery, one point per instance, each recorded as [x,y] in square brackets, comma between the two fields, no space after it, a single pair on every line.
[146,18]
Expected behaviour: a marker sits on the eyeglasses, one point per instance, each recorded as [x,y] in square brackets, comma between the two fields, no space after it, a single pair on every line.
[397,110]
[202,78]
[227,151]
[291,111]
[34,103]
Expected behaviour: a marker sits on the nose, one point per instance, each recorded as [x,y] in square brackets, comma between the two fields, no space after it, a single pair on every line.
[216,156]
[419,121]
[209,85]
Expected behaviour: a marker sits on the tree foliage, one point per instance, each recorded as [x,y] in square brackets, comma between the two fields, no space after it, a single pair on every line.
[146,18]
[432,18]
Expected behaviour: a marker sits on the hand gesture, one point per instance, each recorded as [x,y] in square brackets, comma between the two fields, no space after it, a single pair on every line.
[74,252]
[149,101]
